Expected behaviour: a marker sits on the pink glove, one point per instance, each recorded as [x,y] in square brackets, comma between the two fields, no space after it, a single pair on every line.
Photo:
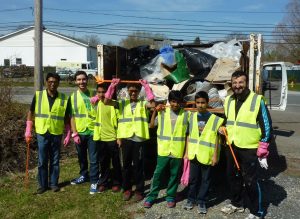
[68,135]
[94,99]
[148,91]
[186,173]
[76,138]
[262,150]
[28,130]
[111,89]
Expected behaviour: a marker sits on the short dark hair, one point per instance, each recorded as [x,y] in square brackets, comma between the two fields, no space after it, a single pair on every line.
[102,85]
[175,95]
[80,73]
[137,86]
[53,75]
[239,73]
[202,94]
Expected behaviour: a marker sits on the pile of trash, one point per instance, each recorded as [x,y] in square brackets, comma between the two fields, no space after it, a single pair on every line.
[187,69]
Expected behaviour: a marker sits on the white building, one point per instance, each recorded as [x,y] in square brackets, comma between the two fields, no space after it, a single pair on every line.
[18,48]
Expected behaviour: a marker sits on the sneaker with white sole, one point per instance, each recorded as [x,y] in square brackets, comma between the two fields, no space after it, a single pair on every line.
[79,180]
[229,209]
[188,205]
[93,189]
[202,209]
[252,216]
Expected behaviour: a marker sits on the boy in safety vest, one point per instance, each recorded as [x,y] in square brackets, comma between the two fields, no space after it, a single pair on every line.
[49,110]
[133,131]
[105,135]
[171,136]
[202,151]
[82,124]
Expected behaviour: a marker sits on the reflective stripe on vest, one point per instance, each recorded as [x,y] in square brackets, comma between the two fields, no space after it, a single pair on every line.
[243,129]
[168,142]
[46,120]
[83,118]
[132,123]
[203,146]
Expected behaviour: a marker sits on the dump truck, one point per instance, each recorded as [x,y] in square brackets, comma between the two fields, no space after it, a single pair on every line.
[269,79]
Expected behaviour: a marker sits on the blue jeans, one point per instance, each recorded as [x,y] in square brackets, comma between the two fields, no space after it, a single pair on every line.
[199,182]
[88,147]
[48,152]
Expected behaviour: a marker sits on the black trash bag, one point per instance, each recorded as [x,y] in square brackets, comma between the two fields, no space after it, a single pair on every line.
[199,63]
[136,57]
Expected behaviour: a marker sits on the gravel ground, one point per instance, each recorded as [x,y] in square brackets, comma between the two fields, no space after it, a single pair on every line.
[281,199]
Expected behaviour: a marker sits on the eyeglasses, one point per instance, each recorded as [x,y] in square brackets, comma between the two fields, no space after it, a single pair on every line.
[101,92]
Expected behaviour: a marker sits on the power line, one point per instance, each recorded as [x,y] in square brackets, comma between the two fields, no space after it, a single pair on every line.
[146,17]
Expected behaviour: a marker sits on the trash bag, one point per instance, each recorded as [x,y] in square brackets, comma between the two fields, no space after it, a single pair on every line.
[137,57]
[151,72]
[168,55]
[180,73]
[199,63]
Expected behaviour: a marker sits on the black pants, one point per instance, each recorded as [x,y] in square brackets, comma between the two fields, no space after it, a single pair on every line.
[199,182]
[109,153]
[133,162]
[244,187]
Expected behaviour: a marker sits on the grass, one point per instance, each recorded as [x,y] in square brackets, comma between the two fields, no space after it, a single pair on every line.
[296,87]
[70,202]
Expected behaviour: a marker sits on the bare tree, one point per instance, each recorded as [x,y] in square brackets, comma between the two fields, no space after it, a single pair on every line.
[236,35]
[287,33]
[139,38]
[92,40]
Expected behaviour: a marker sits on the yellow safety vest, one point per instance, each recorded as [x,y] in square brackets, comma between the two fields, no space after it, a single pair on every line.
[168,142]
[83,118]
[135,123]
[99,118]
[46,120]
[243,129]
[203,146]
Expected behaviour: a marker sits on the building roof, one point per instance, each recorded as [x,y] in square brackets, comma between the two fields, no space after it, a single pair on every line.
[68,38]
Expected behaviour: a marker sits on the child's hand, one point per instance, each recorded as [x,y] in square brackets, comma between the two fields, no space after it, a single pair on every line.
[119,142]
[160,107]
[214,160]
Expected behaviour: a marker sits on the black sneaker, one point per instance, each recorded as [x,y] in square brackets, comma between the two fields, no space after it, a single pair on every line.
[40,191]
[55,188]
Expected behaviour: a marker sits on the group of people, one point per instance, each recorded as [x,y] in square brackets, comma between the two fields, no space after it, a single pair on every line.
[101,125]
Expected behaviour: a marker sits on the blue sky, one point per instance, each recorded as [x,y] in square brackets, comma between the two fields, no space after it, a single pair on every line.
[113,20]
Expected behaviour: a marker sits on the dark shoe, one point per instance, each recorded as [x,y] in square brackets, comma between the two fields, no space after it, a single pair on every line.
[127,195]
[116,189]
[55,188]
[102,189]
[79,180]
[171,204]
[147,204]
[41,190]
[202,209]
[188,206]
[138,196]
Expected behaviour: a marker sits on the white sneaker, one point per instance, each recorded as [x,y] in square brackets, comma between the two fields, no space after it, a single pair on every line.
[252,216]
[229,209]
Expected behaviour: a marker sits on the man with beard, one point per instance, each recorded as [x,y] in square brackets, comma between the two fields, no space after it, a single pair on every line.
[248,125]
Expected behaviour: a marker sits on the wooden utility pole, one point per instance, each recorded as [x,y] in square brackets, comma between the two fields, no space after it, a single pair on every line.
[38,45]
